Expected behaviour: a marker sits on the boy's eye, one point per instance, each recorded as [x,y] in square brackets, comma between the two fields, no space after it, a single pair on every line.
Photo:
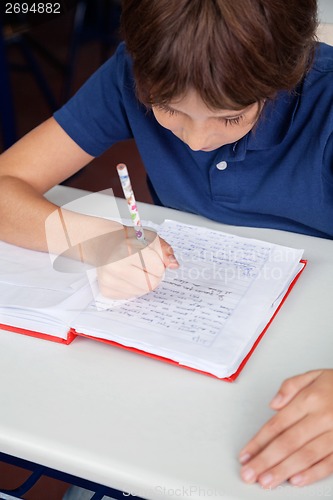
[173,112]
[232,121]
[166,109]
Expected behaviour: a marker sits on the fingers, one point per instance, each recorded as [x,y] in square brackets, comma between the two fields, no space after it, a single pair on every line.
[139,271]
[311,462]
[163,250]
[278,424]
[323,468]
[297,443]
[291,387]
[168,256]
[296,448]
[287,416]
[155,243]
[134,276]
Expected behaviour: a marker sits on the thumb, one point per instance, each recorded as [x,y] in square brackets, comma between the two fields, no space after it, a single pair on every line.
[168,256]
[291,387]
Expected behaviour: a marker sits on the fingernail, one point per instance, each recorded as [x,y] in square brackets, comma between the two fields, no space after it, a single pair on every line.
[172,258]
[244,457]
[296,480]
[248,474]
[266,480]
[277,400]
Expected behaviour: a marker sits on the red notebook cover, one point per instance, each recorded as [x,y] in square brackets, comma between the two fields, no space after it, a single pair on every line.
[72,334]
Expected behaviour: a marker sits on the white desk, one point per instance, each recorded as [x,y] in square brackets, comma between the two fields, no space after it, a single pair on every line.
[156,430]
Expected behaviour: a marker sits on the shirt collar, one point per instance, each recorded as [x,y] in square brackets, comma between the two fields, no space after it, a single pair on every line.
[273,125]
[274,122]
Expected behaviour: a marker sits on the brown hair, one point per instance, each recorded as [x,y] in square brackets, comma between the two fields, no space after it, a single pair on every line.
[232,52]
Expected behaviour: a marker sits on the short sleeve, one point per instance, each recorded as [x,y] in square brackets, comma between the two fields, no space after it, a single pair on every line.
[95,117]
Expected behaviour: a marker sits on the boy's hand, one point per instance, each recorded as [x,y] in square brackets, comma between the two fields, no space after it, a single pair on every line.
[297,443]
[135,269]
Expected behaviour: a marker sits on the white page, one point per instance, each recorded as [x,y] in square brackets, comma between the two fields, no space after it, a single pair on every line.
[34,296]
[30,268]
[206,314]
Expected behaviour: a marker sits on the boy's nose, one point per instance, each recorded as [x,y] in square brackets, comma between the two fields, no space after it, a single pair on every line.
[197,141]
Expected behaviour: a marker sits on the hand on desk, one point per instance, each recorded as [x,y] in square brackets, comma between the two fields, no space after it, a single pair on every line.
[134,269]
[296,444]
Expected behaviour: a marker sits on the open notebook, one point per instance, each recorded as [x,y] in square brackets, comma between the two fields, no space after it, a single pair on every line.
[208,315]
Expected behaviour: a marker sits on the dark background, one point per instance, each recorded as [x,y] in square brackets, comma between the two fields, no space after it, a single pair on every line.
[65,52]
[50,40]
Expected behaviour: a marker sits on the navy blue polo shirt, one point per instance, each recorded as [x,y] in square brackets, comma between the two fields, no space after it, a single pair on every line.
[280,175]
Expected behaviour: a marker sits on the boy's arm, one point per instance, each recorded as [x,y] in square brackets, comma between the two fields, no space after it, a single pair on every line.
[297,443]
[42,159]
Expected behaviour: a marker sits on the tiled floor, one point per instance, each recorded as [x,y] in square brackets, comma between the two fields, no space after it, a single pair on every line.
[31,110]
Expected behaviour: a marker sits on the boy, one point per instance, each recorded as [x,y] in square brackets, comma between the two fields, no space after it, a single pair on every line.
[230,105]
